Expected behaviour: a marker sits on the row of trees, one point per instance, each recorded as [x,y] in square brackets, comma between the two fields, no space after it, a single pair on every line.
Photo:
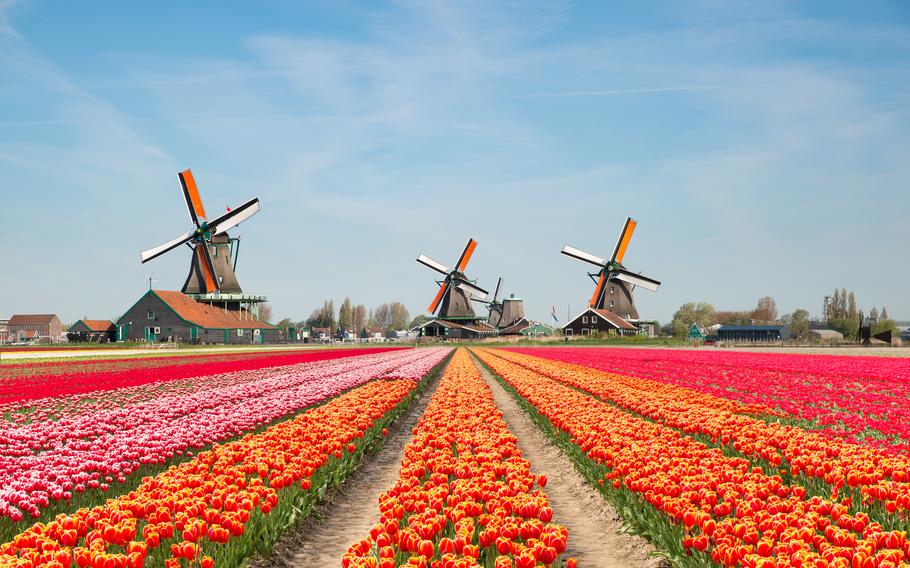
[841,315]
[386,317]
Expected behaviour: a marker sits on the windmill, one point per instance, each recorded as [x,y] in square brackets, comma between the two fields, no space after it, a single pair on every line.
[453,300]
[614,283]
[211,269]
[494,307]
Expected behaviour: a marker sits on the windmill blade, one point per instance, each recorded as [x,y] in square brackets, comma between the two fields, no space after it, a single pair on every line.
[466,255]
[597,290]
[235,216]
[208,267]
[429,262]
[192,197]
[569,250]
[623,242]
[435,303]
[474,291]
[496,292]
[151,253]
[637,279]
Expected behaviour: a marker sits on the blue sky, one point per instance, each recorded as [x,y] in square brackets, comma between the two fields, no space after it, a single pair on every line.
[762,146]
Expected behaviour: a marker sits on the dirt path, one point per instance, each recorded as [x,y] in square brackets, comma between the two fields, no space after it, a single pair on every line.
[594,527]
[347,515]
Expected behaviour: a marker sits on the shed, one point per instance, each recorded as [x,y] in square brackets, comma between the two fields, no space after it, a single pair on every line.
[99,331]
[753,333]
[825,335]
[592,321]
[697,332]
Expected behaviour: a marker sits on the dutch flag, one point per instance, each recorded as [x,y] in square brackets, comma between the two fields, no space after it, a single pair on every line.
[553,313]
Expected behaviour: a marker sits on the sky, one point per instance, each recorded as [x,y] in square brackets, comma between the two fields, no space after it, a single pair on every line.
[763,147]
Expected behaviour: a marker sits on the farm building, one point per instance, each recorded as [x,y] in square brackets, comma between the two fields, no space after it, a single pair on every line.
[753,333]
[444,329]
[98,331]
[537,329]
[322,334]
[593,321]
[31,327]
[4,330]
[161,315]
[697,332]
[827,335]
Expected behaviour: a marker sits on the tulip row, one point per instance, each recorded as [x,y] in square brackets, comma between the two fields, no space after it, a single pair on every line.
[712,507]
[465,496]
[826,464]
[857,398]
[22,382]
[225,503]
[50,462]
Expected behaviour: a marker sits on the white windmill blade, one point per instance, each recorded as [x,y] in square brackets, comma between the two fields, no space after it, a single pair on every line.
[569,250]
[474,291]
[151,253]
[637,279]
[235,216]
[429,262]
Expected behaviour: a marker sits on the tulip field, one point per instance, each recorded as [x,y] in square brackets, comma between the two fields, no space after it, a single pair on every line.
[716,458]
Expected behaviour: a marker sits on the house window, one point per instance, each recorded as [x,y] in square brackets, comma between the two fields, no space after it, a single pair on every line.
[584,319]
[593,319]
[569,331]
[585,331]
[150,315]
[239,333]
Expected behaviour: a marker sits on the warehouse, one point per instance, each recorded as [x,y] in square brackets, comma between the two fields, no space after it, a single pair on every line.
[753,333]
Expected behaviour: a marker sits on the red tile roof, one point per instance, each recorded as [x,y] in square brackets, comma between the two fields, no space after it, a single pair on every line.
[208,316]
[31,319]
[96,325]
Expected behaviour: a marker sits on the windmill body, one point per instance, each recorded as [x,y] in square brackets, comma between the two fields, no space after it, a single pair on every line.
[614,283]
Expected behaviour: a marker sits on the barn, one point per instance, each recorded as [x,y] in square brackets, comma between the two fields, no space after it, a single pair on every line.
[593,321]
[98,331]
[167,315]
[445,329]
[35,327]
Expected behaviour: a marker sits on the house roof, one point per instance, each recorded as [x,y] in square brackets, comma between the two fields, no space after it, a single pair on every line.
[614,319]
[481,327]
[516,327]
[96,325]
[322,330]
[208,316]
[32,319]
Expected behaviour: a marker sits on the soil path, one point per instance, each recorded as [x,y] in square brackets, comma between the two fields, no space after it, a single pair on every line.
[348,514]
[594,527]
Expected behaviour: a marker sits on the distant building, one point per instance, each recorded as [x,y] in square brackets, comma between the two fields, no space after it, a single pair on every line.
[537,329]
[322,334]
[445,329]
[166,315]
[98,331]
[828,335]
[697,332]
[592,321]
[753,333]
[31,327]
[4,331]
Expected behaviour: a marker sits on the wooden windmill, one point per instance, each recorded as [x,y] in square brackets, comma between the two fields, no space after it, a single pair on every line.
[494,306]
[614,283]
[453,300]
[211,266]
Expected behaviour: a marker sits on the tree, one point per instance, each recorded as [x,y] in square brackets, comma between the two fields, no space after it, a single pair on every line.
[833,306]
[798,321]
[382,316]
[693,312]
[398,316]
[419,320]
[727,317]
[345,314]
[873,314]
[851,305]
[765,310]
[265,312]
[359,318]
[884,314]
[848,327]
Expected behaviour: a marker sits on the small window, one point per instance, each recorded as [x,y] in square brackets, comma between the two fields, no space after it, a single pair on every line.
[585,331]
[611,303]
[569,331]
[593,319]
[150,315]
[239,333]
[584,319]
[611,289]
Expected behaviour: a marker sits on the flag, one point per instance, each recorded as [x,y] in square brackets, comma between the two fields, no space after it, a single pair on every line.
[553,313]
[228,208]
